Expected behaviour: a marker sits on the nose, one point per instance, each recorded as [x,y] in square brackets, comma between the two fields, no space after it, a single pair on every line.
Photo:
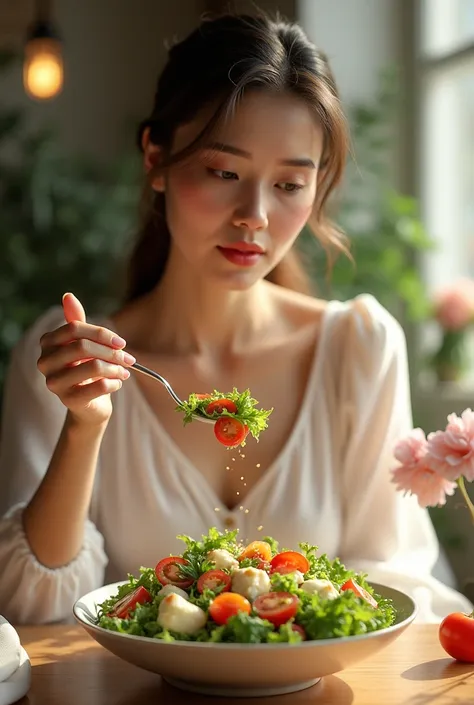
[251,212]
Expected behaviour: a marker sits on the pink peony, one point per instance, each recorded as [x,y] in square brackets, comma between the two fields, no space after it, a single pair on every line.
[415,476]
[451,452]
[454,305]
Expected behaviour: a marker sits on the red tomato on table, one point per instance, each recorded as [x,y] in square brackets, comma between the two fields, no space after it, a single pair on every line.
[456,636]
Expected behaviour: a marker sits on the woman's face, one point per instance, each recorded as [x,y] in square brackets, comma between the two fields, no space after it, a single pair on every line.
[236,207]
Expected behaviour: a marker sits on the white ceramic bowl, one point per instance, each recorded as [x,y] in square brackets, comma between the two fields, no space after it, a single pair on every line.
[243,670]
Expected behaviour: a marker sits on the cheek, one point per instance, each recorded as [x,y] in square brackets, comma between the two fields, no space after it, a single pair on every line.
[192,195]
[293,218]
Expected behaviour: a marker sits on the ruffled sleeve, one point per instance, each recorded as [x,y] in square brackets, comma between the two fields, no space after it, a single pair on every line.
[385,534]
[32,418]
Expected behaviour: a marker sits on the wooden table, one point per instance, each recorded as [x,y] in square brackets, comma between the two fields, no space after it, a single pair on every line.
[70,668]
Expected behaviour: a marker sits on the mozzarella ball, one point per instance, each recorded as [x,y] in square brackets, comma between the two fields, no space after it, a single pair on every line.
[250,582]
[324,588]
[179,615]
[173,590]
[222,559]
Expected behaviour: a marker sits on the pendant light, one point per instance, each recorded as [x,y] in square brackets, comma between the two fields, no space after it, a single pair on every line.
[43,70]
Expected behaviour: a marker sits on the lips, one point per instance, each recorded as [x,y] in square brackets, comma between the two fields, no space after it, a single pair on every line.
[245,248]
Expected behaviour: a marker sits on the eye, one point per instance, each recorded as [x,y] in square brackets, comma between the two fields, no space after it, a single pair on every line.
[289,187]
[223,174]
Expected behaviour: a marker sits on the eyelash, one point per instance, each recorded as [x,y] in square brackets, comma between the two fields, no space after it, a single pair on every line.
[233,177]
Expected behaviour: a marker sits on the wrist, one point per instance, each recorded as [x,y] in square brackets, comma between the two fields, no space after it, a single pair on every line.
[84,430]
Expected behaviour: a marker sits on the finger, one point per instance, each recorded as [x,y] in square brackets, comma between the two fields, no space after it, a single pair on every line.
[81,352]
[88,392]
[76,330]
[73,309]
[68,377]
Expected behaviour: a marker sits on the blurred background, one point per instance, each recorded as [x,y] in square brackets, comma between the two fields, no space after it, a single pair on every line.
[70,172]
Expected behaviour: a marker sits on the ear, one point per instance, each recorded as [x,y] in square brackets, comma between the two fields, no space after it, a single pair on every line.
[151,161]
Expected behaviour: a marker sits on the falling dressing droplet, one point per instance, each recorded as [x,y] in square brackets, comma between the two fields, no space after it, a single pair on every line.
[216,509]
[246,511]
[259,528]
[257,465]
[241,478]
[238,492]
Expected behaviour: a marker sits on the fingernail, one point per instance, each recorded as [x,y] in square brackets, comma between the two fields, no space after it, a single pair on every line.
[128,359]
[118,342]
[125,373]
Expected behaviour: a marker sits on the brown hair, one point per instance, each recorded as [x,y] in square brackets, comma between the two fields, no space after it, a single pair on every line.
[219,61]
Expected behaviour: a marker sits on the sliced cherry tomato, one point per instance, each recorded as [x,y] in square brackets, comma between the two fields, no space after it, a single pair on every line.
[277,607]
[229,431]
[203,396]
[126,605]
[215,580]
[226,605]
[300,630]
[289,561]
[360,592]
[168,573]
[219,405]
[456,636]
[257,549]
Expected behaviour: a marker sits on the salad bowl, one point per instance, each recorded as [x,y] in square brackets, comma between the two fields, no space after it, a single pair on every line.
[243,670]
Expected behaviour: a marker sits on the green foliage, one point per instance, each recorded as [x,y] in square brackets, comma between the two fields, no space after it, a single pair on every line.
[65,221]
[383,226]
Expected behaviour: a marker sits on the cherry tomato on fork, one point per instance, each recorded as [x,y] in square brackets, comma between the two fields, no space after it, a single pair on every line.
[127,604]
[168,573]
[218,406]
[456,636]
[229,431]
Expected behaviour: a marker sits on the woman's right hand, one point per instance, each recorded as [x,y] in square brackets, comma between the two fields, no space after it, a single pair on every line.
[83,364]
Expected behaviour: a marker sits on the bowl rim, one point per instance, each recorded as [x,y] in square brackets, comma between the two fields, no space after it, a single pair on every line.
[310,643]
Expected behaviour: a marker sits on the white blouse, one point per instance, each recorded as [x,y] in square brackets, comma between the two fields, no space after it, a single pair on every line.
[330,485]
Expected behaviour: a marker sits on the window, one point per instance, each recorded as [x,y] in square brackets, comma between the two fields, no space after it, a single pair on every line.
[446,69]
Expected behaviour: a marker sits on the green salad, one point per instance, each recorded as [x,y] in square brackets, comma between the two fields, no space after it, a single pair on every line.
[235,415]
[220,590]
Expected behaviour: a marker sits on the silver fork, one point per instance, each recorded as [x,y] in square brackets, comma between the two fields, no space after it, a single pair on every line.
[150,373]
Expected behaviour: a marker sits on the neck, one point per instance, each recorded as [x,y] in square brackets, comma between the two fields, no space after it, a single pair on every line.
[199,317]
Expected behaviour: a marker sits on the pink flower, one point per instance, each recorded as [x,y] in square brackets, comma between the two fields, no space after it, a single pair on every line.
[415,476]
[454,305]
[451,452]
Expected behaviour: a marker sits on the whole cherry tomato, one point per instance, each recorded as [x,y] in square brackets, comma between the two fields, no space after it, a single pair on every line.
[456,636]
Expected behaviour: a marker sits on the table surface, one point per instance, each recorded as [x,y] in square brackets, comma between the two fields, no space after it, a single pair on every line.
[70,668]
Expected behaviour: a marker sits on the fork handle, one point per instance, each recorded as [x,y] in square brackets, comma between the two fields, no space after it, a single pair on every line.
[151,373]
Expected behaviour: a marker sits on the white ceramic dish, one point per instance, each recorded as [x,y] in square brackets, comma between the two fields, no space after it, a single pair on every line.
[243,670]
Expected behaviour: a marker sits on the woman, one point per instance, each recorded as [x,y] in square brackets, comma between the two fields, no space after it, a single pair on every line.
[245,143]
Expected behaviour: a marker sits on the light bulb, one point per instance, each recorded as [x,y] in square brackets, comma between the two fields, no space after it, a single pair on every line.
[43,71]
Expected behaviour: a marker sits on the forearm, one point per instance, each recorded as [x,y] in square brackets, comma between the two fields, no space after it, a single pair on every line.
[55,518]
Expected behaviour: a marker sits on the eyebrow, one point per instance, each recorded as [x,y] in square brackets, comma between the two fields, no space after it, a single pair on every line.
[229,149]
